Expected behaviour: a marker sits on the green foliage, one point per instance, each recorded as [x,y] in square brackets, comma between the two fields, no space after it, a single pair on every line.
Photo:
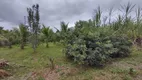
[1,29]
[132,72]
[76,51]
[3,41]
[97,51]
[64,32]
[47,33]
[121,46]
[34,27]
[12,36]
[97,17]
[51,60]
[23,34]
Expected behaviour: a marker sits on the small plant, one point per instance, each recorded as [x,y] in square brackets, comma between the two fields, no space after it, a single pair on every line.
[52,63]
[127,77]
[132,71]
[41,78]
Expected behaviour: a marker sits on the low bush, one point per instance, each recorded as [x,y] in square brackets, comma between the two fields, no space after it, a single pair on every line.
[3,41]
[122,47]
[97,51]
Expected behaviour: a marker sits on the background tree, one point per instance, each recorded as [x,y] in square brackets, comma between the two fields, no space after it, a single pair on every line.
[1,28]
[64,31]
[16,35]
[33,20]
[23,34]
[47,33]
[97,17]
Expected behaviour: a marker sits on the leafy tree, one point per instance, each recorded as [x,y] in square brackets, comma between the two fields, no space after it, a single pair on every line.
[33,20]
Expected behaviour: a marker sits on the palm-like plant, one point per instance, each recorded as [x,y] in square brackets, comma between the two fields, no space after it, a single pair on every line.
[127,9]
[23,34]
[64,30]
[47,33]
[110,14]
[97,16]
[64,27]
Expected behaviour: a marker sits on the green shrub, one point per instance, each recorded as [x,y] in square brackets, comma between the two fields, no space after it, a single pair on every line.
[3,41]
[122,44]
[97,51]
[76,51]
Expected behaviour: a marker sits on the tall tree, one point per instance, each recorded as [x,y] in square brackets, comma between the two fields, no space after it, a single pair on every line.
[23,34]
[33,20]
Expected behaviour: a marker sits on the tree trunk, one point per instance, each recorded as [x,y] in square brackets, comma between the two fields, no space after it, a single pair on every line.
[34,41]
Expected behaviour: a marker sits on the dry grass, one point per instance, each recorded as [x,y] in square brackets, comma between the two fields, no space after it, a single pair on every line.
[4,73]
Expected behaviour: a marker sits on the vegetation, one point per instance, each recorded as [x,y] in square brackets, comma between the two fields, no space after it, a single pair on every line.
[24,63]
[23,34]
[96,42]
[96,51]
[33,20]
[47,33]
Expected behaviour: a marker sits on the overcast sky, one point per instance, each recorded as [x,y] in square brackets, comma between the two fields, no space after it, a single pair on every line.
[12,12]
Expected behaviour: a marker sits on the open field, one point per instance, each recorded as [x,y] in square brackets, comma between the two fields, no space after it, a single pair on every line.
[26,65]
